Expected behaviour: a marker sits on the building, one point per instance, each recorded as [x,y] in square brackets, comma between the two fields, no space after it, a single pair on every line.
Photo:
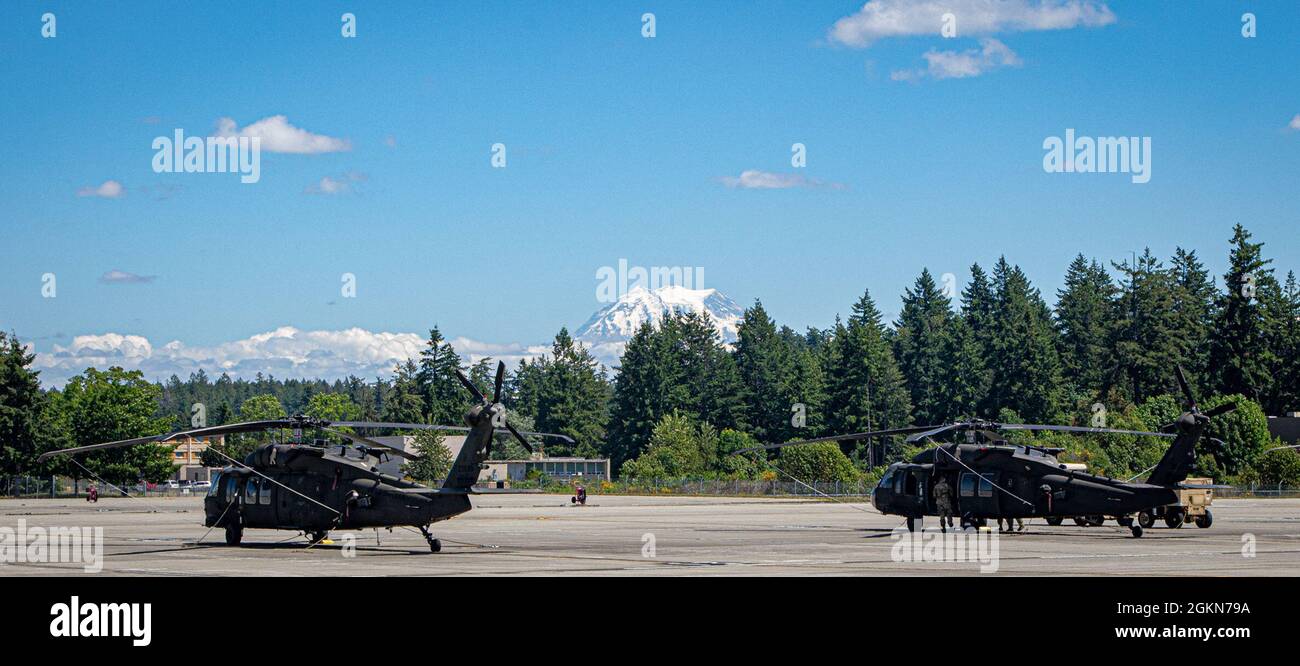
[1287,428]
[505,470]
[556,468]
[188,455]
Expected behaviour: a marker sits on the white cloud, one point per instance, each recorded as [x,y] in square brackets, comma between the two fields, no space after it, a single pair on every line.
[278,136]
[109,189]
[1295,122]
[879,19]
[339,185]
[991,55]
[116,276]
[285,352]
[754,179]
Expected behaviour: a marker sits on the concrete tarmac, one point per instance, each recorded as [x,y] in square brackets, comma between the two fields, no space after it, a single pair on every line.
[531,534]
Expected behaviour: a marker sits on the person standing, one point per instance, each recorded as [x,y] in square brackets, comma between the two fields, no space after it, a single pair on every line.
[943,502]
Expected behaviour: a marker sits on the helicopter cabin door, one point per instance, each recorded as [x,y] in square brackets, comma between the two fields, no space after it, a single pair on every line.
[977,496]
[911,488]
[257,507]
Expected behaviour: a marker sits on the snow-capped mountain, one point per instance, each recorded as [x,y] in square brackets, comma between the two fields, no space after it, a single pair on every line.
[609,329]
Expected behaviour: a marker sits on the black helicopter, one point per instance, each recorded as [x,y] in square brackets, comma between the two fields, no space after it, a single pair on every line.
[317,487]
[993,478]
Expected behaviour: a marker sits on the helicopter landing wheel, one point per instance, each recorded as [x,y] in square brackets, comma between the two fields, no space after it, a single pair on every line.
[1205,520]
[1136,529]
[1174,518]
[911,524]
[234,534]
[435,546]
[1145,519]
[1054,521]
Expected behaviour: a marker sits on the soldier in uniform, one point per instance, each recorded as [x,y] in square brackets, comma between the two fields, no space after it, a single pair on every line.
[943,502]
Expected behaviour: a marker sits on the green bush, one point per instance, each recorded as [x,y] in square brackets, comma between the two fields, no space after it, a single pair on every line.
[817,462]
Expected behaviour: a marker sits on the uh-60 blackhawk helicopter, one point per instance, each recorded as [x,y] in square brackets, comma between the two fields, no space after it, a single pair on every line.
[318,486]
[993,478]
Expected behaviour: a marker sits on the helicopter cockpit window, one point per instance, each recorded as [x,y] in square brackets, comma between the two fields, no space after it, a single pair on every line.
[250,490]
[887,480]
[215,486]
[231,484]
[986,487]
[967,485]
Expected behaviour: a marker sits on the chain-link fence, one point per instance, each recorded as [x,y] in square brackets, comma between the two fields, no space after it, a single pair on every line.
[63,486]
[742,487]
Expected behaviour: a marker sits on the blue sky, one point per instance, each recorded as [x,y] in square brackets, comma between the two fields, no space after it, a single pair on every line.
[618,147]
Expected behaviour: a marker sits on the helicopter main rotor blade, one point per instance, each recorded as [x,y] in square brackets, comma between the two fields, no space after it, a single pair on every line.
[1279,448]
[426,426]
[501,375]
[933,431]
[836,438]
[469,386]
[1080,429]
[98,447]
[232,428]
[393,425]
[358,439]
[210,431]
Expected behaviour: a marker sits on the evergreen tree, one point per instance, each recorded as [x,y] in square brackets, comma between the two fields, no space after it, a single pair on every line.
[679,366]
[708,371]
[445,399]
[405,401]
[21,402]
[978,313]
[763,359]
[1023,358]
[433,459]
[1148,340]
[866,389]
[920,344]
[1282,338]
[964,385]
[1194,302]
[645,386]
[574,397]
[1085,319]
[525,387]
[807,387]
[1239,356]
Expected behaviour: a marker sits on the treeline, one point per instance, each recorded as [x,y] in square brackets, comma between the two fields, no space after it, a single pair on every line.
[681,400]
